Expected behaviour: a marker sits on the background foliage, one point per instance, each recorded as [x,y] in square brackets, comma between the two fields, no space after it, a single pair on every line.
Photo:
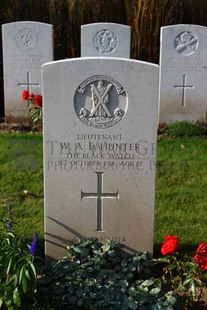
[144,16]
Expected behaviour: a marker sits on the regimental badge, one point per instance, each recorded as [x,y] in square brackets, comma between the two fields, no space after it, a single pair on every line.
[100,102]
[27,40]
[105,41]
[186,43]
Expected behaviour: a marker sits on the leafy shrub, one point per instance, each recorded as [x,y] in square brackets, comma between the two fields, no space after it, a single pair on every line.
[97,275]
[186,275]
[18,275]
[185,129]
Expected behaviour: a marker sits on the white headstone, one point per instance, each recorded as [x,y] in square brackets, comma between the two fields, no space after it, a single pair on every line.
[26,46]
[105,39]
[183,73]
[100,130]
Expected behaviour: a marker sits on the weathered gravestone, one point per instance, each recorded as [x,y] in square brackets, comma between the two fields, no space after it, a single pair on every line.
[26,46]
[105,39]
[100,129]
[183,73]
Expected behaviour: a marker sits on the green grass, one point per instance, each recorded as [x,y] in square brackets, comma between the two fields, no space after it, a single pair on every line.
[181,186]
[21,180]
[181,190]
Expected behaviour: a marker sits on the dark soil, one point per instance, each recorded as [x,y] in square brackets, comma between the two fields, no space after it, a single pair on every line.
[21,127]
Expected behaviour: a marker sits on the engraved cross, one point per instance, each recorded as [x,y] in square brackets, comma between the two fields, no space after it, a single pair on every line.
[99,196]
[184,86]
[100,98]
[28,84]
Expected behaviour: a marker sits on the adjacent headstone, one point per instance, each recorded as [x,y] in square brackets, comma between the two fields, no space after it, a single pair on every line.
[100,129]
[26,46]
[183,73]
[105,39]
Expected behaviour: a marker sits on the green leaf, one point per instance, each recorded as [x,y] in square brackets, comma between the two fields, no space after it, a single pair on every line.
[77,249]
[27,274]
[124,263]
[187,281]
[131,267]
[33,269]
[9,265]
[155,291]
[144,256]
[147,283]
[20,275]
[132,292]
[193,288]
[105,247]
[24,283]
[90,269]
[97,252]
[132,305]
[198,282]
[160,260]
[123,283]
[16,297]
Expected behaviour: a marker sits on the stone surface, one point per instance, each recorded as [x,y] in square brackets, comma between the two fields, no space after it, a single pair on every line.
[26,46]
[100,130]
[105,39]
[183,73]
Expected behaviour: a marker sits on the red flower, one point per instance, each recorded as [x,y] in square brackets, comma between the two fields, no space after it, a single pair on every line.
[31,96]
[38,100]
[201,255]
[25,95]
[170,245]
